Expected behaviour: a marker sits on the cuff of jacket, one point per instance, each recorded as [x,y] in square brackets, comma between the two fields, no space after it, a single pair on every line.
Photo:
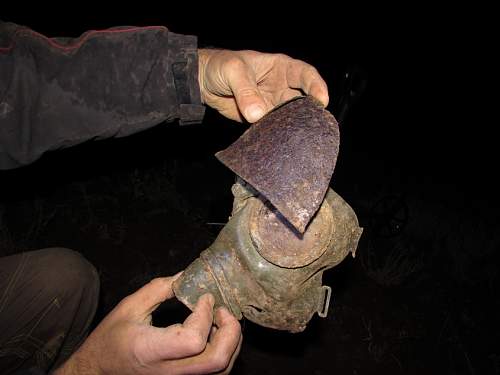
[185,72]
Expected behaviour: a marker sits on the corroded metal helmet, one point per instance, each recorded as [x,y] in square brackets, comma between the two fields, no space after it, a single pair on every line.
[262,268]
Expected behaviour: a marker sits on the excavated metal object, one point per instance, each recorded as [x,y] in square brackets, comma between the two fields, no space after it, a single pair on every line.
[261,268]
[289,156]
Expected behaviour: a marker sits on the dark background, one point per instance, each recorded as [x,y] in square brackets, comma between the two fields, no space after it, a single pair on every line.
[417,164]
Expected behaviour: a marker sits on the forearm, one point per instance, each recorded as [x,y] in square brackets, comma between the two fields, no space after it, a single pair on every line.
[55,93]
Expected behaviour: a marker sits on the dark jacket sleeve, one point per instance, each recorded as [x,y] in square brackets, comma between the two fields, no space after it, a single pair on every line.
[58,92]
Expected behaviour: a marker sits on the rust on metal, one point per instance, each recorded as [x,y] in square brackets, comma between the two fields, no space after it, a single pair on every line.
[289,157]
[250,279]
[281,244]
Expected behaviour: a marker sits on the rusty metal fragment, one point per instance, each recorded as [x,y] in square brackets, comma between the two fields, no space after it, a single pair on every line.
[244,271]
[289,156]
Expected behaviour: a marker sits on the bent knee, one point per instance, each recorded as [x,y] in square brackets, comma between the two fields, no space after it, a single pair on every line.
[65,271]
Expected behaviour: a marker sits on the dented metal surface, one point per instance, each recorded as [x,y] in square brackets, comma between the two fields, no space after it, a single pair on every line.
[277,241]
[244,271]
[289,156]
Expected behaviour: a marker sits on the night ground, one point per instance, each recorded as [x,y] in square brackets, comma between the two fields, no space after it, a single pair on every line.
[421,296]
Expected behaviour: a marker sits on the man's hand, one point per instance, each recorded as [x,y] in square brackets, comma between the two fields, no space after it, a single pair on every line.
[248,84]
[125,342]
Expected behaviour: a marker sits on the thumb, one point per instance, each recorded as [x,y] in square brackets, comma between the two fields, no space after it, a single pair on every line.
[145,300]
[243,84]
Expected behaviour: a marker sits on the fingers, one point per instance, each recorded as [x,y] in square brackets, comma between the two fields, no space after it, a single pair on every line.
[242,82]
[219,352]
[319,90]
[179,340]
[229,108]
[305,77]
[199,323]
[228,369]
[145,300]
[235,356]
[248,84]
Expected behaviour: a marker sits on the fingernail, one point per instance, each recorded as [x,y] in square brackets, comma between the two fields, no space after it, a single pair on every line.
[210,298]
[254,112]
[223,310]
